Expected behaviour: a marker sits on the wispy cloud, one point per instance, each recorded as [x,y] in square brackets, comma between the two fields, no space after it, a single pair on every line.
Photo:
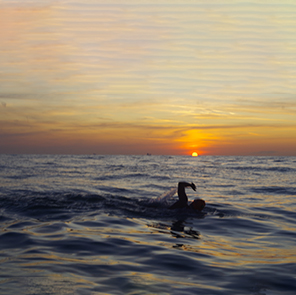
[153,71]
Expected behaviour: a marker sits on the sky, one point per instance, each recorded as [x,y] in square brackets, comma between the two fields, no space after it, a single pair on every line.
[134,77]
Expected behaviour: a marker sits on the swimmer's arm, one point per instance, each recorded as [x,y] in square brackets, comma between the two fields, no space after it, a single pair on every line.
[182,185]
[181,192]
[182,202]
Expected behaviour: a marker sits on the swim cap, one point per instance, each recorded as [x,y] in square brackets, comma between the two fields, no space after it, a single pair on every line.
[198,204]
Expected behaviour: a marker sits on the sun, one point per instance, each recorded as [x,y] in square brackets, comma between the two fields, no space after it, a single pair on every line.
[194,154]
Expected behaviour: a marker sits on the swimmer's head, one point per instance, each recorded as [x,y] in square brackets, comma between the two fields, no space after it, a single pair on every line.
[198,204]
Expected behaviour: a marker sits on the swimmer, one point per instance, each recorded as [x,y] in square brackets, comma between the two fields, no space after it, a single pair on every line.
[197,204]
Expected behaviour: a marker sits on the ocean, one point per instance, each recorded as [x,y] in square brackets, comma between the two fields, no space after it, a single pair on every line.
[74,224]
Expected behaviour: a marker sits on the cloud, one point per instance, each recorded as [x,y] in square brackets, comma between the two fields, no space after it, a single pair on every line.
[176,73]
[267,153]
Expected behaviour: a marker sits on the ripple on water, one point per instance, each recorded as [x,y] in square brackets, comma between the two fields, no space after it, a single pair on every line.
[86,224]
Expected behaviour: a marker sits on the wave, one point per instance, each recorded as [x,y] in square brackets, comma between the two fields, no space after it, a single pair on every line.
[122,176]
[277,190]
[262,169]
[48,206]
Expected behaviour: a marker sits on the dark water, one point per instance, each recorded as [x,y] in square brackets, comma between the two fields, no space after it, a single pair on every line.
[93,225]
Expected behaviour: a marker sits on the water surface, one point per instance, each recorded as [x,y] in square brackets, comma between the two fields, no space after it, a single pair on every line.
[93,225]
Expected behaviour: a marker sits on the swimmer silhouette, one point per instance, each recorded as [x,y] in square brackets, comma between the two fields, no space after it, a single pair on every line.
[197,204]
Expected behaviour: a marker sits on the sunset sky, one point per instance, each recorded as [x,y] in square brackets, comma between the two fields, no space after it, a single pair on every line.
[136,77]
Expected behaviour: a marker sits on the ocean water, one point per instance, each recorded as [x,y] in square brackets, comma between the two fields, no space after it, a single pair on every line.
[100,225]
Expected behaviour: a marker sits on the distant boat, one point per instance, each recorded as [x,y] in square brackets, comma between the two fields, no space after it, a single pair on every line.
[148,154]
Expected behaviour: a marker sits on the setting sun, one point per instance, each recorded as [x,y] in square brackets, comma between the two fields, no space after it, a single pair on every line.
[194,154]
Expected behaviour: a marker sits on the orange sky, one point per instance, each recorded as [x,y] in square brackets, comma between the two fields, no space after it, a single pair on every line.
[139,77]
